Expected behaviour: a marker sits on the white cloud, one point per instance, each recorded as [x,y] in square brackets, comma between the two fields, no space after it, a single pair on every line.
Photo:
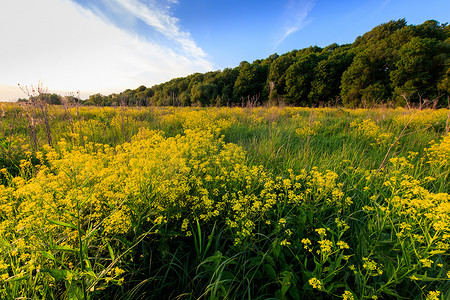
[71,48]
[296,14]
[159,18]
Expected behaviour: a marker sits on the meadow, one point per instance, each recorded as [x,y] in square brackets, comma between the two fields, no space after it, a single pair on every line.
[224,203]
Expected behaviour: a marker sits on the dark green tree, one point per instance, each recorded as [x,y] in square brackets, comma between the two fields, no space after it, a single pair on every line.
[140,89]
[225,81]
[250,83]
[96,99]
[379,33]
[327,77]
[277,76]
[431,29]
[417,69]
[143,95]
[444,83]
[204,94]
[195,79]
[54,99]
[299,77]
[366,81]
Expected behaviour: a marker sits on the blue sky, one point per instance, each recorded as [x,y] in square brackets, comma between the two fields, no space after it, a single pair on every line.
[232,31]
[107,46]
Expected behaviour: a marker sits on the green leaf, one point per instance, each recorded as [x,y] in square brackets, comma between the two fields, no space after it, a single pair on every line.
[293,292]
[56,273]
[286,282]
[75,292]
[64,248]
[210,239]
[390,292]
[48,255]
[227,275]
[276,249]
[270,270]
[18,278]
[87,263]
[91,273]
[389,269]
[111,251]
[254,261]
[59,223]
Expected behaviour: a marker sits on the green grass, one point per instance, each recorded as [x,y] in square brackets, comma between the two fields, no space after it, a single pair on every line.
[229,203]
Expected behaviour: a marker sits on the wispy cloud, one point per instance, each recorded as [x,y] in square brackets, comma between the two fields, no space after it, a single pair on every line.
[296,14]
[72,48]
[156,14]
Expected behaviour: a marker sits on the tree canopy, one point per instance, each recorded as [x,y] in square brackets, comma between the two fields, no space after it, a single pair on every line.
[392,62]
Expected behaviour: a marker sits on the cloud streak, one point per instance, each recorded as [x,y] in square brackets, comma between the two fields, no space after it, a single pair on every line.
[72,48]
[158,17]
[296,14]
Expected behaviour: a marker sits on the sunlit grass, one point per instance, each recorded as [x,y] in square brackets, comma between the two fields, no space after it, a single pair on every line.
[224,203]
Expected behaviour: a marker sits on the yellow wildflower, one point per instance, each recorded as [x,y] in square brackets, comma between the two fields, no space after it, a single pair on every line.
[321,231]
[347,295]
[426,262]
[315,283]
[325,246]
[433,295]
[285,243]
[413,277]
[306,242]
[118,271]
[343,245]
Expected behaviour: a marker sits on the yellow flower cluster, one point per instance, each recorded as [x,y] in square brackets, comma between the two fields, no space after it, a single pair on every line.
[418,217]
[111,176]
[439,152]
[419,119]
[433,295]
[371,267]
[315,283]
[196,119]
[371,131]
[308,129]
[172,181]
[347,295]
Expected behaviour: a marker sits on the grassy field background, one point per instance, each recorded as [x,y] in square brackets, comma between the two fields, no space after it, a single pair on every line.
[224,203]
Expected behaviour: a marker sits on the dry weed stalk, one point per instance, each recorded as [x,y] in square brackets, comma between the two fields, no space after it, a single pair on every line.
[402,134]
[37,110]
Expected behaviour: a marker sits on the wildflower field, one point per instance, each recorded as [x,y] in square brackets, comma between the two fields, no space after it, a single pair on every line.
[224,203]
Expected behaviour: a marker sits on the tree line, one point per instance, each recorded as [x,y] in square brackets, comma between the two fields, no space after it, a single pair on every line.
[394,63]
